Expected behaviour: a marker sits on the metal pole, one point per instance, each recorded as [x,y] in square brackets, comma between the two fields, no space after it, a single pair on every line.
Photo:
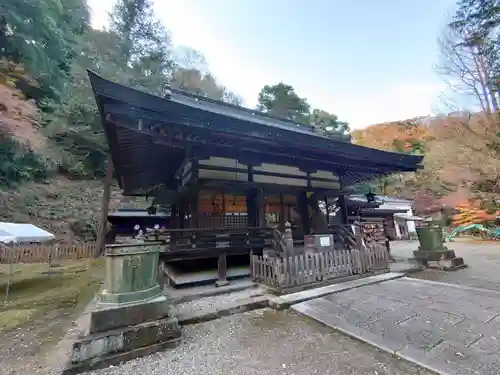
[50,261]
[7,288]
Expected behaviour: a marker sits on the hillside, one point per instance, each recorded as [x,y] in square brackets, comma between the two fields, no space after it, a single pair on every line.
[64,207]
[462,158]
[32,189]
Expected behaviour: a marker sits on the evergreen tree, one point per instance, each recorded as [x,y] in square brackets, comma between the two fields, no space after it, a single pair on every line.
[41,34]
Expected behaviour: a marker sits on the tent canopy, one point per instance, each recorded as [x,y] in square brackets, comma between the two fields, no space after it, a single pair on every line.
[22,233]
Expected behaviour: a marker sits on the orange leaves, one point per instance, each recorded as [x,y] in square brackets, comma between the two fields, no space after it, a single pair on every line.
[393,136]
[19,117]
[472,213]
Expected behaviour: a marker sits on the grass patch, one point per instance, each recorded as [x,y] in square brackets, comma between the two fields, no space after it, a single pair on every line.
[35,294]
[13,318]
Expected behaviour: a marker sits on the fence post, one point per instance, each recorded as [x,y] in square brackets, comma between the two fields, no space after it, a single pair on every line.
[50,261]
[357,261]
[10,256]
[288,240]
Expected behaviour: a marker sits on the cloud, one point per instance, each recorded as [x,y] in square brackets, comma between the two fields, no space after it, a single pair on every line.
[99,10]
[396,102]
[188,28]
[375,105]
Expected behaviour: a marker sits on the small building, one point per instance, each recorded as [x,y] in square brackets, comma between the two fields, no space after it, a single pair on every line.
[403,218]
[231,177]
[397,214]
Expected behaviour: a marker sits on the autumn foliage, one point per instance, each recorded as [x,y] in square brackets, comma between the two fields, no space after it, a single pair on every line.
[19,117]
[471,212]
[461,168]
[407,136]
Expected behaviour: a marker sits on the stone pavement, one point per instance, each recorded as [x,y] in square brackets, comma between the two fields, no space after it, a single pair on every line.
[483,259]
[446,328]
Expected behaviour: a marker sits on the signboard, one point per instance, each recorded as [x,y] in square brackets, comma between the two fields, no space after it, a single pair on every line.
[324,241]
[318,243]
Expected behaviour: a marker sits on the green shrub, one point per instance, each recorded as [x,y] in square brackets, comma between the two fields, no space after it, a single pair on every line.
[18,164]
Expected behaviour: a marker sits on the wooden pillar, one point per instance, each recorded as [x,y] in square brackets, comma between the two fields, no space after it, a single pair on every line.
[175,222]
[174,216]
[195,212]
[222,260]
[222,270]
[282,214]
[261,213]
[104,207]
[343,209]
[303,208]
[251,201]
[182,213]
[343,203]
[327,211]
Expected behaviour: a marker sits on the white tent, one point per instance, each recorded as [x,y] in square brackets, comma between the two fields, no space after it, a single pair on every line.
[23,233]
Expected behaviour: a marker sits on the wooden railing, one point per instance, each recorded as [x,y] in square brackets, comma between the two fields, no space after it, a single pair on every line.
[280,274]
[194,243]
[45,253]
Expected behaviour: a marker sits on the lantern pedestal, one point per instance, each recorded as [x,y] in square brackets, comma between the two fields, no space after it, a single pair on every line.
[131,317]
[432,252]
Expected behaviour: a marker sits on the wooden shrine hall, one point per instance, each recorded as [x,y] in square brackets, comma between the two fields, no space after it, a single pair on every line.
[231,177]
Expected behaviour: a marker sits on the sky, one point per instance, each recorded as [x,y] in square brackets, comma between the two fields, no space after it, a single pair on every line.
[366,61]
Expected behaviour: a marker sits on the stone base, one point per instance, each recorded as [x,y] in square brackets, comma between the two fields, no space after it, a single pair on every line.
[107,317]
[442,248]
[445,260]
[448,264]
[135,297]
[116,359]
[121,333]
[433,255]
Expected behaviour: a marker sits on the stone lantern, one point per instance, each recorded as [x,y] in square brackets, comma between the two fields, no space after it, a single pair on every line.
[131,316]
[432,252]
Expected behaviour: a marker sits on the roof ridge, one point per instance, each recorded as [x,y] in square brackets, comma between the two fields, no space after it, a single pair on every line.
[235,106]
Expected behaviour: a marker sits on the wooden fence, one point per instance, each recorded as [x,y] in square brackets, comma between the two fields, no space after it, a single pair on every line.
[45,253]
[279,274]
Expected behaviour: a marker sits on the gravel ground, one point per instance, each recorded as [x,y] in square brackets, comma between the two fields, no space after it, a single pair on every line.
[265,342]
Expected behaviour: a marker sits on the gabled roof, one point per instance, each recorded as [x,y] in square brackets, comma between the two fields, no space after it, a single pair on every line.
[139,152]
[236,112]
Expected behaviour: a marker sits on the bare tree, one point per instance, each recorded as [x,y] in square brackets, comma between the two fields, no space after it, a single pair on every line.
[465,67]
